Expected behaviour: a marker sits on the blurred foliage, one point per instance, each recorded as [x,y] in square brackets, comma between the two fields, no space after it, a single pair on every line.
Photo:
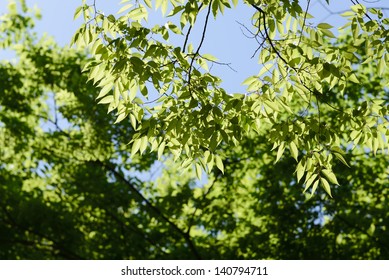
[70,189]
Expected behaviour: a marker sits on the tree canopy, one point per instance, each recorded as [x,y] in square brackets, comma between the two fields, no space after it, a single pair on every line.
[300,95]
[72,187]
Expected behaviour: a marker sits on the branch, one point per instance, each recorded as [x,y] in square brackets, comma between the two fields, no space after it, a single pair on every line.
[354,226]
[62,250]
[253,36]
[121,178]
[189,30]
[133,228]
[355,2]
[201,42]
[305,18]
[190,224]
[219,63]
[262,12]
[151,206]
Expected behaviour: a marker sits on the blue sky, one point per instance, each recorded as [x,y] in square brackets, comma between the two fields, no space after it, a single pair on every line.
[224,38]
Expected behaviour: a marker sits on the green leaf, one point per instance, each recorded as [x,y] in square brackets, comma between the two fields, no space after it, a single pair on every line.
[125,8]
[355,29]
[143,144]
[135,146]
[250,80]
[341,158]
[104,91]
[213,142]
[120,117]
[381,66]
[337,149]
[353,78]
[324,26]
[328,33]
[133,121]
[330,176]
[293,150]
[148,3]
[219,163]
[199,170]
[209,57]
[347,14]
[359,9]
[174,28]
[78,12]
[207,156]
[161,148]
[106,100]
[203,64]
[326,186]
[371,229]
[215,7]
[138,14]
[210,162]
[300,170]
[314,187]
[280,151]
[309,181]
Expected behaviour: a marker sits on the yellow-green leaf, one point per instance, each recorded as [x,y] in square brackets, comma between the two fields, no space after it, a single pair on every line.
[124,8]
[324,26]
[106,100]
[326,186]
[328,33]
[135,146]
[219,163]
[104,91]
[143,144]
[148,3]
[314,187]
[330,176]
[209,57]
[300,170]
[78,12]
[161,148]
[353,78]
[199,170]
[341,158]
[293,150]
[280,151]
[120,117]
[310,181]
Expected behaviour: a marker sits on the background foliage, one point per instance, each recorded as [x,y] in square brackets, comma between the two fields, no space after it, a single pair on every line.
[72,188]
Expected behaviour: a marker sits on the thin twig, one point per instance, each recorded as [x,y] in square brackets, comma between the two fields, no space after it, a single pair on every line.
[201,42]
[305,18]
[189,30]
[262,12]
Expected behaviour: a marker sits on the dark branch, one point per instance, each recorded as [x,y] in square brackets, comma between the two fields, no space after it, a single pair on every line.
[191,220]
[189,30]
[262,12]
[305,18]
[65,252]
[201,42]
[157,211]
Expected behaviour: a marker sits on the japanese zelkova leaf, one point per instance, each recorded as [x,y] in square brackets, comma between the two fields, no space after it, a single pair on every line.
[326,186]
[219,163]
[293,150]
